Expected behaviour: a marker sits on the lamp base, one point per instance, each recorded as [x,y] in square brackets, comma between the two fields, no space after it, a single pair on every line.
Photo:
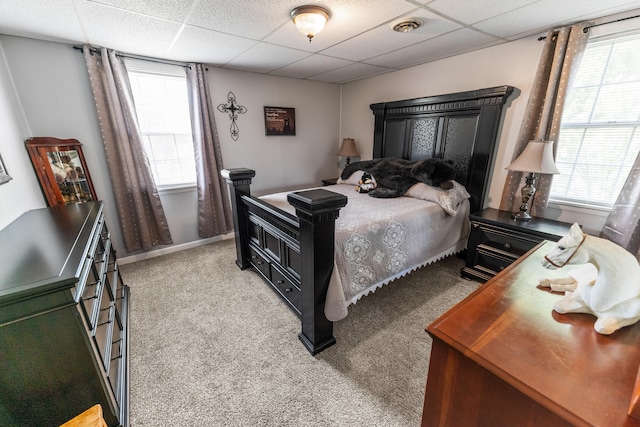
[521,216]
[527,193]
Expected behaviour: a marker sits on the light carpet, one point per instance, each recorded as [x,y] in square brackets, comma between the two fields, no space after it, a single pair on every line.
[212,345]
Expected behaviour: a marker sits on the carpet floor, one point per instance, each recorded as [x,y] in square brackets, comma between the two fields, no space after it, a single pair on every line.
[211,345]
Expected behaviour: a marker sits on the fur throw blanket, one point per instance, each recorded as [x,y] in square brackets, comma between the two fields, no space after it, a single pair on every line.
[394,176]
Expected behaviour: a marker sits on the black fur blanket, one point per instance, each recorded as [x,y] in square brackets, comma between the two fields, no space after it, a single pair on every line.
[394,176]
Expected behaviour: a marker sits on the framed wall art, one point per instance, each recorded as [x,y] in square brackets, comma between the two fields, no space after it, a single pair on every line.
[61,170]
[279,121]
[4,175]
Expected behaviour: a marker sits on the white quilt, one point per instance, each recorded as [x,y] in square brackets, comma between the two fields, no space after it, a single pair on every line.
[379,240]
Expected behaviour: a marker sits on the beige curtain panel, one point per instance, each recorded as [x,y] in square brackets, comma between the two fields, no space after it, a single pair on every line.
[623,223]
[139,209]
[561,55]
[214,206]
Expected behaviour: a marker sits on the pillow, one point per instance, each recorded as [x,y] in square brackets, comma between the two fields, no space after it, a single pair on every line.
[352,180]
[449,199]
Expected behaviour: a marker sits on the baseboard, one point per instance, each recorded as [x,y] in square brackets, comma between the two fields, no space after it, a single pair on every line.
[172,249]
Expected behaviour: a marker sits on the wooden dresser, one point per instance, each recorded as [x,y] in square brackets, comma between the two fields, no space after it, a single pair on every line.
[63,319]
[503,357]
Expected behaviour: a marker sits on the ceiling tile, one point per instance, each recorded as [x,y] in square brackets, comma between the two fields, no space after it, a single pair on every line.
[535,17]
[115,29]
[311,66]
[246,18]
[433,49]
[210,47]
[31,18]
[350,73]
[383,39]
[264,57]
[469,12]
[167,9]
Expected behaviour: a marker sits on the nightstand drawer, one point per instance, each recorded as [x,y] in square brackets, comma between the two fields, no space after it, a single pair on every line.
[494,261]
[496,240]
[508,241]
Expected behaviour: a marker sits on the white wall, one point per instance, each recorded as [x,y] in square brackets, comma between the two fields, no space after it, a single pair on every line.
[22,193]
[52,85]
[280,162]
[512,64]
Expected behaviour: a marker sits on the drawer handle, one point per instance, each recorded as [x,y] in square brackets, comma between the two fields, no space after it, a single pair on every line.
[507,246]
[109,319]
[119,356]
[280,282]
[288,289]
[260,262]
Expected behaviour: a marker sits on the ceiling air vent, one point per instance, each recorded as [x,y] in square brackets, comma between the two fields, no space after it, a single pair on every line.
[407,25]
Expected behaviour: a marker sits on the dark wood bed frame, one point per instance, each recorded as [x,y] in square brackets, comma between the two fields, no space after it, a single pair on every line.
[294,254]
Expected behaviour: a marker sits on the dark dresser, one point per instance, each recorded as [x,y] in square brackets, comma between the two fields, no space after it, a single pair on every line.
[496,240]
[63,319]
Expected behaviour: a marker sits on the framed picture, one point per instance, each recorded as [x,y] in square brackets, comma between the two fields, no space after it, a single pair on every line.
[61,170]
[4,175]
[279,121]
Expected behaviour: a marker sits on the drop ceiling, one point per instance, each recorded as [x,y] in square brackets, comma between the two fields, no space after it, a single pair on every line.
[258,35]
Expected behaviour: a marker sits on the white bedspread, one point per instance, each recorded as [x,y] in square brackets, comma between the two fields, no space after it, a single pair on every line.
[379,240]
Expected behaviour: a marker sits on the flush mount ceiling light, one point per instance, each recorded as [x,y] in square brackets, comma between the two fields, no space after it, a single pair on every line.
[407,25]
[310,20]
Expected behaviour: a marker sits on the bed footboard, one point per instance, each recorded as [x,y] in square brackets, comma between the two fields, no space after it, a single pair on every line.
[294,254]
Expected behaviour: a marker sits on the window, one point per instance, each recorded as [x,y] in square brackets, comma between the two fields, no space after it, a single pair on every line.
[160,95]
[600,129]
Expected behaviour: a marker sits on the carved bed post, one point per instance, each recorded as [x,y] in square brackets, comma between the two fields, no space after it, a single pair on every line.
[239,181]
[317,211]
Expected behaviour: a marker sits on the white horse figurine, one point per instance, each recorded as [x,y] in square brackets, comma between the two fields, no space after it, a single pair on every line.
[613,296]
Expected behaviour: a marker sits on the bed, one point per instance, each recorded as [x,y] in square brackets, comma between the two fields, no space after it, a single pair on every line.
[292,240]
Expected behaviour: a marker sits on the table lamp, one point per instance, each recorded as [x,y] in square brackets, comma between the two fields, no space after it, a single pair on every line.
[348,149]
[536,158]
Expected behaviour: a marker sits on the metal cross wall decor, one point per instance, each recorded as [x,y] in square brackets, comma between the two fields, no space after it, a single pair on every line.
[233,109]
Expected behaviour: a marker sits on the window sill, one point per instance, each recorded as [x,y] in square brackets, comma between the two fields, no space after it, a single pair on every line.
[173,189]
[580,208]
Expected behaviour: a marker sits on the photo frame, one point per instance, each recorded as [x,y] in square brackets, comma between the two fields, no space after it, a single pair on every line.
[4,175]
[279,121]
[61,170]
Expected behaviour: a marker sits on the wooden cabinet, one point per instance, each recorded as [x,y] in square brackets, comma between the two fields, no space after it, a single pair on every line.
[496,240]
[63,319]
[503,357]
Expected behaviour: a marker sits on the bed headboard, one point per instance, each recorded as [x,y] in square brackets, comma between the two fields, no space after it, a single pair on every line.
[461,127]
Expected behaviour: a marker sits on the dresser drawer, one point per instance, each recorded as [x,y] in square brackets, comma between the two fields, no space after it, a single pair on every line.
[287,289]
[103,330]
[91,286]
[117,355]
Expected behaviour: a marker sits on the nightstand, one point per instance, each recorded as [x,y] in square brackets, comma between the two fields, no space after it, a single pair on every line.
[330,181]
[496,240]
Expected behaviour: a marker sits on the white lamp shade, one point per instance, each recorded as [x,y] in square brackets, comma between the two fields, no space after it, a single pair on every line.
[348,148]
[537,157]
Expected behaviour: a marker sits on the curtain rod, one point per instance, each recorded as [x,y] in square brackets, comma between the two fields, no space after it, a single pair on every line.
[586,29]
[142,58]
